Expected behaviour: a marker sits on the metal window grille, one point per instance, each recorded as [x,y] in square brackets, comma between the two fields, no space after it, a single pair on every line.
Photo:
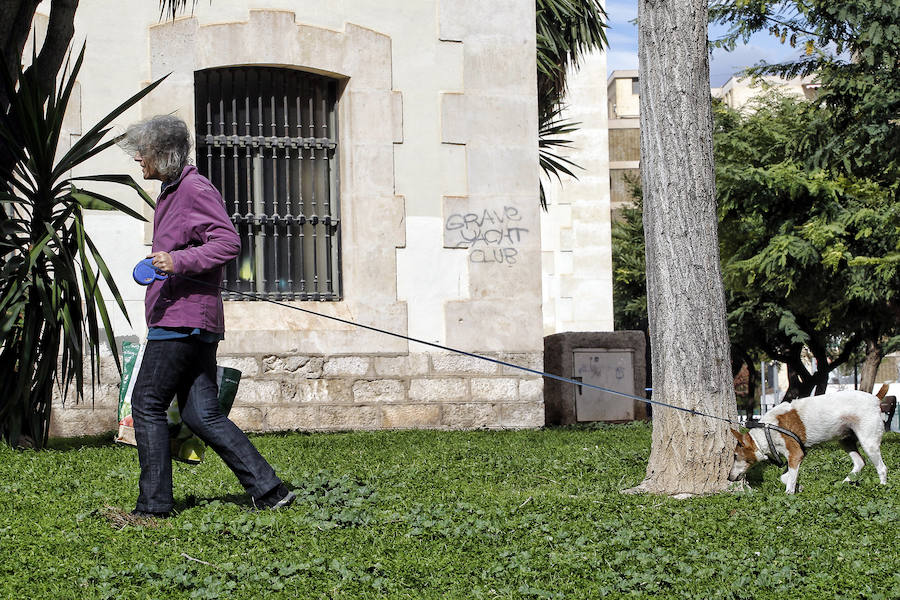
[267,139]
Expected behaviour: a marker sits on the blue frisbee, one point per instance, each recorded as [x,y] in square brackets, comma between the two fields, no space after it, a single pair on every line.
[145,273]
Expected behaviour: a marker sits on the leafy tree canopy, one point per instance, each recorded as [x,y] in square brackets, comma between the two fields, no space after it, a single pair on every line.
[805,251]
[853,49]
[791,242]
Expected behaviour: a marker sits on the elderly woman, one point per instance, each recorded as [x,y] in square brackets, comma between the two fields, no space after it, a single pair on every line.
[192,237]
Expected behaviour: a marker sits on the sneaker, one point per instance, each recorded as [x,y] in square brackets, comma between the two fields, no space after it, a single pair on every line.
[143,514]
[278,497]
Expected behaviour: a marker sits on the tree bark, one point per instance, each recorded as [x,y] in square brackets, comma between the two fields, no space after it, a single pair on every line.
[15,23]
[685,295]
[16,18]
[753,382]
[869,370]
[60,29]
[800,385]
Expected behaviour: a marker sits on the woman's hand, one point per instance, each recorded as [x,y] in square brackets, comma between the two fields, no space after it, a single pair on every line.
[162,261]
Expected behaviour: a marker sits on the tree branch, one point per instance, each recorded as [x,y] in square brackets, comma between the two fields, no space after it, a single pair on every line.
[15,24]
[846,352]
[60,30]
[792,26]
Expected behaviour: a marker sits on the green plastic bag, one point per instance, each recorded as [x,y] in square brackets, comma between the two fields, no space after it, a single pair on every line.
[186,446]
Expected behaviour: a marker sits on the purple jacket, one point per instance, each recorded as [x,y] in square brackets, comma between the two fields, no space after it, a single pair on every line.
[191,224]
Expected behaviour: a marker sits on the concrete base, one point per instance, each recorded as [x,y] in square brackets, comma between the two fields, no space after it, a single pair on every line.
[560,399]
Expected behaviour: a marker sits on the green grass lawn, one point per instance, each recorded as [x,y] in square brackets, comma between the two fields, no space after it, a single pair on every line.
[426,514]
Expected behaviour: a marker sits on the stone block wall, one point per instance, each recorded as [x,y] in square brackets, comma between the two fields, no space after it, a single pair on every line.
[576,243]
[281,392]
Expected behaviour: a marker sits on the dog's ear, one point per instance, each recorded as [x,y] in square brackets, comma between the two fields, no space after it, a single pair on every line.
[739,436]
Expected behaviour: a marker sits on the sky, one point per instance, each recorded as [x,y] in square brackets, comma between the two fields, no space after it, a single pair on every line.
[623,50]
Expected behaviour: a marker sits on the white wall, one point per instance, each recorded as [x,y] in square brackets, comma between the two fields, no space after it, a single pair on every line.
[623,102]
[577,257]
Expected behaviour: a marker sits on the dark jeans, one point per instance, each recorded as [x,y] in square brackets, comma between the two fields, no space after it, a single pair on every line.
[186,368]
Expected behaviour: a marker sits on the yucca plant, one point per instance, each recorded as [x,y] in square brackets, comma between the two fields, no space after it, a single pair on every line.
[51,305]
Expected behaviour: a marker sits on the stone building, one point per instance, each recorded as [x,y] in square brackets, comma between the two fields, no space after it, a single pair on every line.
[576,234]
[380,162]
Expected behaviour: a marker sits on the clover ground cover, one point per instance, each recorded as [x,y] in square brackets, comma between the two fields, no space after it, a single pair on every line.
[430,514]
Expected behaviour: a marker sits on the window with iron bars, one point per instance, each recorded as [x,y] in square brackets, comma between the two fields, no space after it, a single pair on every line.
[267,139]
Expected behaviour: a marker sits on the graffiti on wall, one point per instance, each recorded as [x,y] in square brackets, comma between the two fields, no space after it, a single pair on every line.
[492,236]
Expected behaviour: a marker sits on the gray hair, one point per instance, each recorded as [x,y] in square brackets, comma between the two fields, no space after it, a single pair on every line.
[163,140]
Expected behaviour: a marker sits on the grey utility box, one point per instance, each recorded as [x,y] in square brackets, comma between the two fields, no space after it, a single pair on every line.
[611,360]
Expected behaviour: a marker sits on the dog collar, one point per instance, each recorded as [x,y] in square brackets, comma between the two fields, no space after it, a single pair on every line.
[767,429]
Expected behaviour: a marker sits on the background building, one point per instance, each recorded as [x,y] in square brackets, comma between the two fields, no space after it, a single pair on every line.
[738,91]
[624,135]
[623,100]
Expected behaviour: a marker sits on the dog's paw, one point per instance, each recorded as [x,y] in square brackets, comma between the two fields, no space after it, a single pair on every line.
[739,487]
[853,477]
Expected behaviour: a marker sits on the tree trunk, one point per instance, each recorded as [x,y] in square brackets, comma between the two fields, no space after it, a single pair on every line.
[685,294]
[16,18]
[753,382]
[60,29]
[800,381]
[15,23]
[821,382]
[795,386]
[869,371]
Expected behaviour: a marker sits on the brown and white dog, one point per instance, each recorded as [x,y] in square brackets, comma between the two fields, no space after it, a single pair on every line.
[849,415]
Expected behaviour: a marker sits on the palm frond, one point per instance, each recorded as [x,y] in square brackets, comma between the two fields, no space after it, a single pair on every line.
[551,141]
